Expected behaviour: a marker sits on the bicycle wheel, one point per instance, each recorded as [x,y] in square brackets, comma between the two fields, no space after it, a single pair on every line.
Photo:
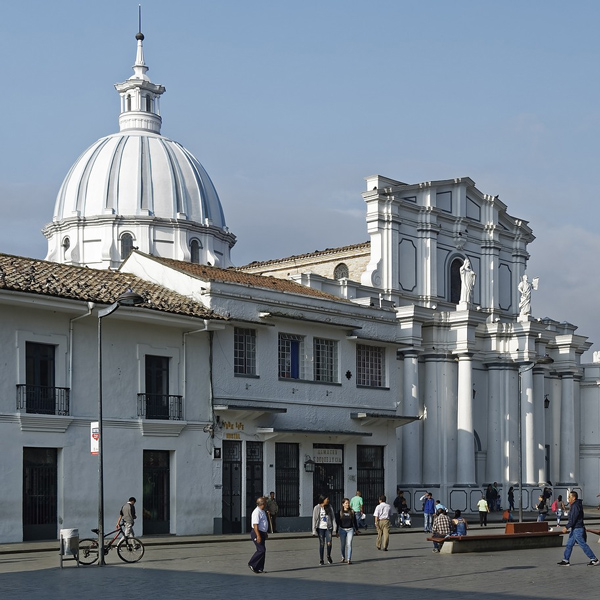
[88,551]
[130,550]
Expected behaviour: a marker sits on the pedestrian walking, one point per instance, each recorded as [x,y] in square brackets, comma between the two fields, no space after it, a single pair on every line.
[258,534]
[127,516]
[346,529]
[511,498]
[577,534]
[324,525]
[272,510]
[542,507]
[356,504]
[382,523]
[484,509]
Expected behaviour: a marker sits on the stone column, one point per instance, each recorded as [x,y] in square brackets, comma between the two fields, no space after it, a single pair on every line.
[431,430]
[568,454]
[412,457]
[494,467]
[539,425]
[528,449]
[465,468]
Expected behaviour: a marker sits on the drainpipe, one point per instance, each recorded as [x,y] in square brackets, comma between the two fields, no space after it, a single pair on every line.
[91,306]
[203,329]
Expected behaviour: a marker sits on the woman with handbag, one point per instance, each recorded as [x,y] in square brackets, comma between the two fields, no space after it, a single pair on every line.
[324,525]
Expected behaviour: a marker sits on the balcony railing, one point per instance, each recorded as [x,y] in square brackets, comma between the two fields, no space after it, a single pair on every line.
[160,406]
[43,400]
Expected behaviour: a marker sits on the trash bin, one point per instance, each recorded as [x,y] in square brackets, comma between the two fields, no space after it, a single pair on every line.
[69,545]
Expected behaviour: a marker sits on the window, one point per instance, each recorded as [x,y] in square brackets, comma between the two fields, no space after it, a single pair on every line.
[287,479]
[370,366]
[195,252]
[126,245]
[325,360]
[40,395]
[244,351]
[157,387]
[341,272]
[291,351]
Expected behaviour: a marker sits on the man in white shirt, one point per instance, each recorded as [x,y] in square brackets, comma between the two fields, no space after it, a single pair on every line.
[258,535]
[382,523]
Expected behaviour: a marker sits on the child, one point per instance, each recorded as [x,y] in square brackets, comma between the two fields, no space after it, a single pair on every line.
[558,506]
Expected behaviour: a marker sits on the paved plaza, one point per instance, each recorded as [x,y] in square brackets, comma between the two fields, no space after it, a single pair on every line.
[216,570]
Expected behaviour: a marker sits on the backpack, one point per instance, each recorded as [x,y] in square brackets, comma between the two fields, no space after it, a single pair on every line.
[554,506]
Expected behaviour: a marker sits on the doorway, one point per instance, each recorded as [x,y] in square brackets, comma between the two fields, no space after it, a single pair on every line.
[40,493]
[156,508]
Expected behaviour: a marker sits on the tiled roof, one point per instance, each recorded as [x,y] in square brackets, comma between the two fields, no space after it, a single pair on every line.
[233,275]
[56,280]
[315,254]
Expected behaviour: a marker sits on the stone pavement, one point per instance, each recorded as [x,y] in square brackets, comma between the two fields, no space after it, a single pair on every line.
[202,567]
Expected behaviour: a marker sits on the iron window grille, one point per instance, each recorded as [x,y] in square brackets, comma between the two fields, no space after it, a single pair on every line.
[370,366]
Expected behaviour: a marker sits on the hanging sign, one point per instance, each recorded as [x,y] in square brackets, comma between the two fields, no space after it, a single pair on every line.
[95,437]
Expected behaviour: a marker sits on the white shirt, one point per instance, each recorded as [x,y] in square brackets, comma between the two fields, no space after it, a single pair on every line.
[259,518]
[382,511]
[323,517]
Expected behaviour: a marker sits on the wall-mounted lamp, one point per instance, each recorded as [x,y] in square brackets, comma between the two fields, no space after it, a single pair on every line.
[546,401]
[309,464]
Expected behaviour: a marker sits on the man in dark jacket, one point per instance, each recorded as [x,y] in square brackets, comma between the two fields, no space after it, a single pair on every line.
[577,534]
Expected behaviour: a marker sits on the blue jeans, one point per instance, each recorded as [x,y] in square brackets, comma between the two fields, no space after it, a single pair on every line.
[346,536]
[428,521]
[577,536]
[324,538]
[541,517]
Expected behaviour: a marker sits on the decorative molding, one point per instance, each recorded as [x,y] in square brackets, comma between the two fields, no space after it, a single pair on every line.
[44,423]
[161,428]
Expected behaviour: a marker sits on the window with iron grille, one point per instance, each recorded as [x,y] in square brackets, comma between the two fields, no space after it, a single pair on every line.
[291,353]
[325,357]
[370,366]
[244,351]
[287,479]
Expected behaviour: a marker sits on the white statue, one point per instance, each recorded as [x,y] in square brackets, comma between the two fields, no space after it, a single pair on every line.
[467,281]
[525,287]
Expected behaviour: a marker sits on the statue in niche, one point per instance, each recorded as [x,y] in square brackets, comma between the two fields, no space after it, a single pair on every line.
[467,281]
[525,287]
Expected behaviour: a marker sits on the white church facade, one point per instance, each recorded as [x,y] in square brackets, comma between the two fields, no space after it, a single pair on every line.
[411,361]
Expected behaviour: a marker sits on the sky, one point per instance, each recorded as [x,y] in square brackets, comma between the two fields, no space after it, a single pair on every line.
[290,105]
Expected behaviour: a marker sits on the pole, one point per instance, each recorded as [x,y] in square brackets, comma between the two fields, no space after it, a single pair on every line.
[100,454]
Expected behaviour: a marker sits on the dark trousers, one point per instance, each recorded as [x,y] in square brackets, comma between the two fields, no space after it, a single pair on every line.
[257,562]
[483,518]
[273,522]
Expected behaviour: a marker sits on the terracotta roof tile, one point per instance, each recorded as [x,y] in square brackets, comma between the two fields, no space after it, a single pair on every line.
[316,253]
[234,275]
[56,280]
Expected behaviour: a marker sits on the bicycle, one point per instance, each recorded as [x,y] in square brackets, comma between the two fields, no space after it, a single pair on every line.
[130,550]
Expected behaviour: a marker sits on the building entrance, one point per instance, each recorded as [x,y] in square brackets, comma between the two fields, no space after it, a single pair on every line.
[328,478]
[40,493]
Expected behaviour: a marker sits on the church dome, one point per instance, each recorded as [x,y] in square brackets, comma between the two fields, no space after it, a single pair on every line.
[138,189]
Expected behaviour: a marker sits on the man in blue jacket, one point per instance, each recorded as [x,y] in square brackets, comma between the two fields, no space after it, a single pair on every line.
[428,512]
[577,534]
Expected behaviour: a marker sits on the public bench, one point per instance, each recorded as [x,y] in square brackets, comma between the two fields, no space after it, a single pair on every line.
[517,536]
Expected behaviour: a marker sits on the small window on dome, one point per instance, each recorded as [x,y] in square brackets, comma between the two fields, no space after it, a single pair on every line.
[66,244]
[126,245]
[195,251]
[341,272]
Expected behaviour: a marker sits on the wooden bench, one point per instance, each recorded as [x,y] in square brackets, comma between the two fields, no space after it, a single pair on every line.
[499,542]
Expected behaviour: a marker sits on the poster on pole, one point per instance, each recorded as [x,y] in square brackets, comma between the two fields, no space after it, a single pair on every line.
[95,437]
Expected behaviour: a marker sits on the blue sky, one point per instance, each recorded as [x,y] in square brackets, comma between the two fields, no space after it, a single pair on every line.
[290,105]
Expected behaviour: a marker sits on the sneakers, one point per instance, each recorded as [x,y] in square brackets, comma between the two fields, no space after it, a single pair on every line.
[593,563]
[566,563]
[330,560]
[321,563]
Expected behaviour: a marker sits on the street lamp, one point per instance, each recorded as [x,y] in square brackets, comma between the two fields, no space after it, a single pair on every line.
[543,360]
[127,299]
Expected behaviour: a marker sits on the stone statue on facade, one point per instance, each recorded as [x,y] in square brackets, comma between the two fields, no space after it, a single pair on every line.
[525,287]
[467,282]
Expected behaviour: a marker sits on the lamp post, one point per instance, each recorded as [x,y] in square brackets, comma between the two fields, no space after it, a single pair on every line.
[543,360]
[126,299]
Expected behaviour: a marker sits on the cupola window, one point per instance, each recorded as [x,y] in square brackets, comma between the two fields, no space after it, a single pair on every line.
[195,251]
[128,103]
[126,245]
